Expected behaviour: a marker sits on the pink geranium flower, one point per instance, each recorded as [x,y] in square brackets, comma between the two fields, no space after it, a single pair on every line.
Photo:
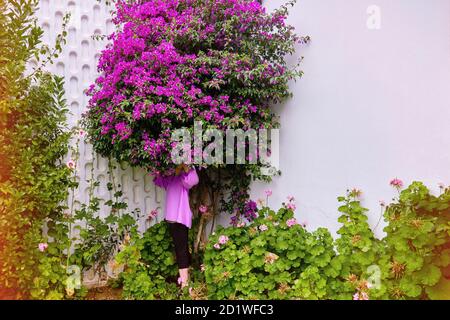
[268,192]
[216,246]
[223,239]
[42,246]
[361,296]
[396,183]
[263,227]
[355,192]
[270,258]
[291,222]
[70,164]
[291,206]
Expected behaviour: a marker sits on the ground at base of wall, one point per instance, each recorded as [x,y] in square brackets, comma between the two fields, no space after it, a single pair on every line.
[104,293]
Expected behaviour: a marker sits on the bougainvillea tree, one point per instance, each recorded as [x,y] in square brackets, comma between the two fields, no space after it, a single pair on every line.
[173,62]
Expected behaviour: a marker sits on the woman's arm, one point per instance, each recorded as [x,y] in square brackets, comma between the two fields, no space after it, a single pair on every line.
[161,181]
[189,179]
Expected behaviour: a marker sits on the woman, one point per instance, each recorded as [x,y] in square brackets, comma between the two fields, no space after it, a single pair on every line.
[179,214]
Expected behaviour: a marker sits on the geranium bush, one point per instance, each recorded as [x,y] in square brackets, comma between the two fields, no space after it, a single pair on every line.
[418,244]
[172,62]
[272,258]
[276,258]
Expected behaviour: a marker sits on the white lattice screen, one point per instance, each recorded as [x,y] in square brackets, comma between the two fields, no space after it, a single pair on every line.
[78,64]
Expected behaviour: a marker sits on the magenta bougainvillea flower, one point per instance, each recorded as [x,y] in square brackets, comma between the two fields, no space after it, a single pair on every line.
[174,61]
[203,208]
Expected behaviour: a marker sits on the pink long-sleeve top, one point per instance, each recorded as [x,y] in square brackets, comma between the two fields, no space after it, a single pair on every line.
[177,196]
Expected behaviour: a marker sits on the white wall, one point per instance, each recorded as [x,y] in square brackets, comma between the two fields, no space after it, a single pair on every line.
[372,105]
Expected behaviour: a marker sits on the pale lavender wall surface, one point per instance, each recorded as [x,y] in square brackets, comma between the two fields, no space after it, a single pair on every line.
[372,105]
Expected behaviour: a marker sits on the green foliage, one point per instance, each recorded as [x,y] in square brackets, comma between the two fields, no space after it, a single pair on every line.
[157,251]
[139,281]
[33,141]
[417,241]
[282,262]
[276,258]
[285,262]
[99,238]
[360,253]
[150,268]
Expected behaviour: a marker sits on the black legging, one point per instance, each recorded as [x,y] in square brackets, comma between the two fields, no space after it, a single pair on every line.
[179,233]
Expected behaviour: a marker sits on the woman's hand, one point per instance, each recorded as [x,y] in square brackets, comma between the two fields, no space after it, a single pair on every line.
[181,168]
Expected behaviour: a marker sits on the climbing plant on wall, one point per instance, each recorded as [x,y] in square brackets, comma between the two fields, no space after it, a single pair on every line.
[174,62]
[33,141]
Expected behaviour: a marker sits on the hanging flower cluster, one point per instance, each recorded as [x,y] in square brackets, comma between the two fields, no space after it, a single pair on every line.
[171,62]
